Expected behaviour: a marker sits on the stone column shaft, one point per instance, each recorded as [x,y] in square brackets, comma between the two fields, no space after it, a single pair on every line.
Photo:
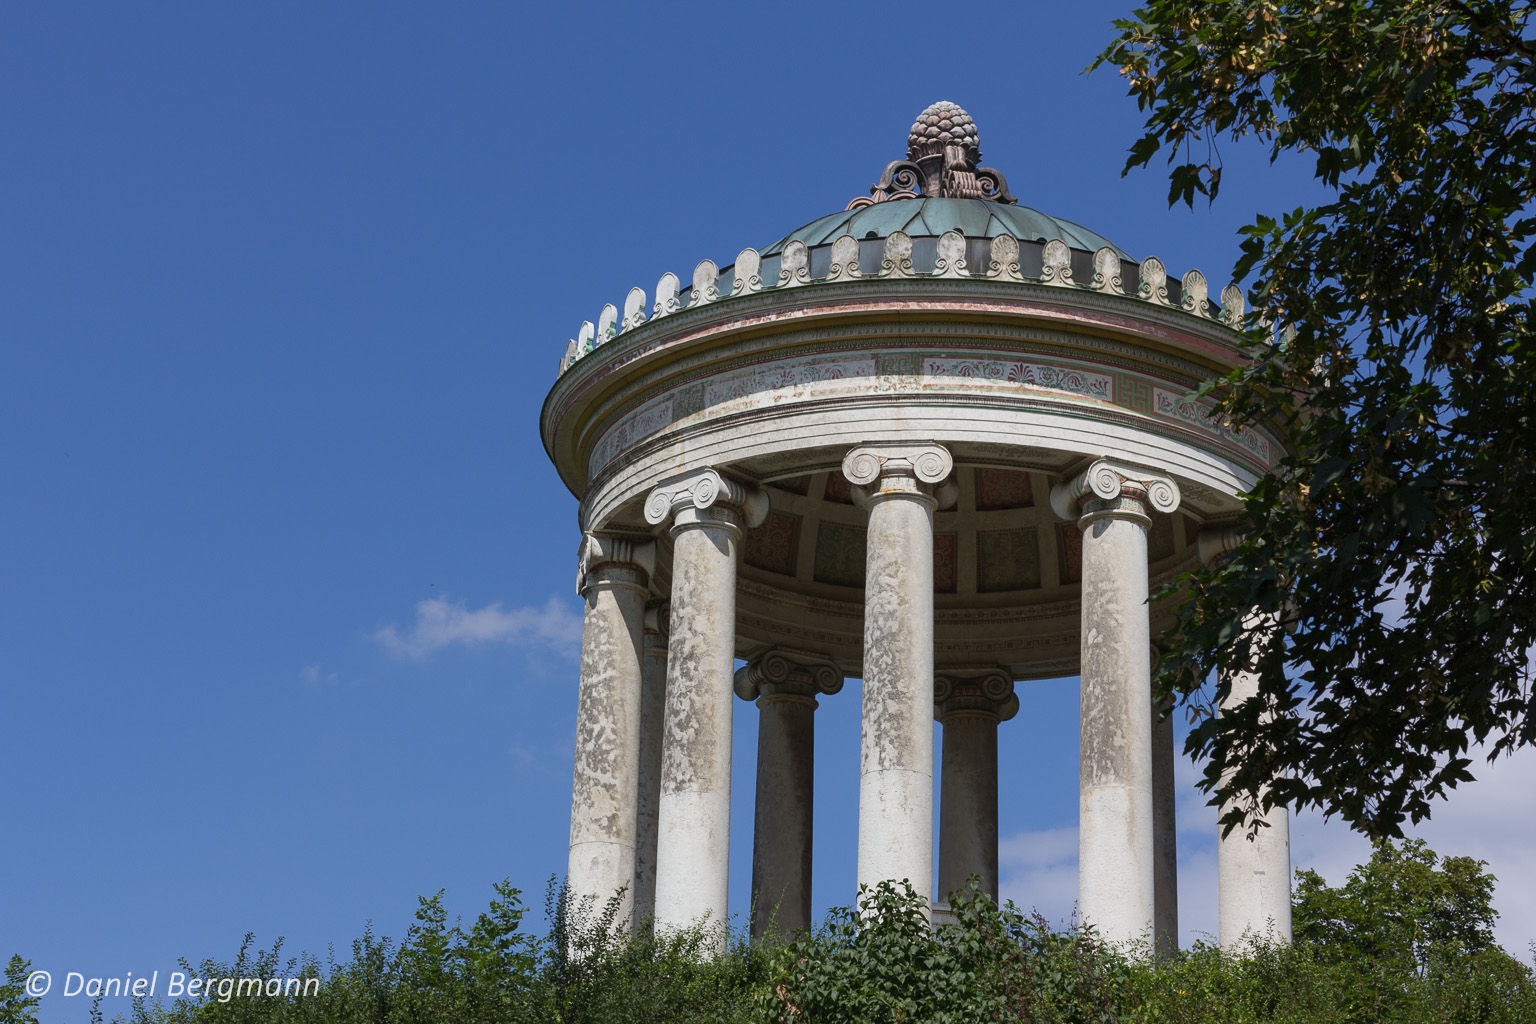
[968,805]
[1116,854]
[613,576]
[1165,850]
[785,686]
[653,713]
[694,807]
[782,819]
[1254,876]
[970,705]
[896,753]
[1115,861]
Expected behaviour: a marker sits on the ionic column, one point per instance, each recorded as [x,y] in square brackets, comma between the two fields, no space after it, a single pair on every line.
[1112,504]
[708,512]
[612,575]
[784,685]
[1165,830]
[896,484]
[970,704]
[1253,876]
[653,711]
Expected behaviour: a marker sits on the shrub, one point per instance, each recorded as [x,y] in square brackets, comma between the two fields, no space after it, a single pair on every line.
[884,963]
[1407,939]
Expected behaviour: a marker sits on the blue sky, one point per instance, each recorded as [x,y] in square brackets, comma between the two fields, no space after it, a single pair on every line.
[287,629]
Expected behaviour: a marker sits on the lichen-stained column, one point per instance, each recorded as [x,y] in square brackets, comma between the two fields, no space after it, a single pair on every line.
[1254,875]
[784,684]
[612,575]
[1165,850]
[896,484]
[1112,504]
[653,712]
[708,512]
[970,704]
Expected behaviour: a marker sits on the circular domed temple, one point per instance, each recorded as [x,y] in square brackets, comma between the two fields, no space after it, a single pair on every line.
[939,442]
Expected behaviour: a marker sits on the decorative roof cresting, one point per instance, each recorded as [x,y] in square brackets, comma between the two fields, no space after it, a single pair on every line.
[943,158]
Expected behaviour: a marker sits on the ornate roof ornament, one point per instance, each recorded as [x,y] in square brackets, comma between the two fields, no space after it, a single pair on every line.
[943,154]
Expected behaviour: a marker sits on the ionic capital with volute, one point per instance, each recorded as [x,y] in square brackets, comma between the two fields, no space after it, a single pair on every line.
[614,561]
[974,693]
[704,497]
[901,468]
[787,675]
[656,619]
[1115,490]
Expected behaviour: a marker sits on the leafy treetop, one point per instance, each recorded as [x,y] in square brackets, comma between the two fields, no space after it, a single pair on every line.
[1390,558]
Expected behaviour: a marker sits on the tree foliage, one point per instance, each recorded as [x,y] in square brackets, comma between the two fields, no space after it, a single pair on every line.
[1409,925]
[1405,940]
[1394,548]
[16,1006]
[1406,907]
[884,963]
[583,970]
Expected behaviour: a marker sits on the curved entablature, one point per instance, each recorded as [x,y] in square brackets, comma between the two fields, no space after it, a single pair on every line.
[942,353]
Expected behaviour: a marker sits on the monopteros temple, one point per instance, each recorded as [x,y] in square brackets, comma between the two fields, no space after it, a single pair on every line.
[939,442]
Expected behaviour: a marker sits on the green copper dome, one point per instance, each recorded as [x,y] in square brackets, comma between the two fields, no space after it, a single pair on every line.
[932,216]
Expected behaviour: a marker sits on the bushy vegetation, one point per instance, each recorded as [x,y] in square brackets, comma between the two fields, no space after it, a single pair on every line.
[886,963]
[1407,938]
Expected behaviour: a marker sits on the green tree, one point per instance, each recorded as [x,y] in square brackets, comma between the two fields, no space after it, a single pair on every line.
[1396,544]
[1406,907]
[1410,935]
[16,1007]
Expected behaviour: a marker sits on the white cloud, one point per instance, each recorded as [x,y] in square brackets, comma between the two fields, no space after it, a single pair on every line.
[441,623]
[1038,871]
[1198,911]
[314,676]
